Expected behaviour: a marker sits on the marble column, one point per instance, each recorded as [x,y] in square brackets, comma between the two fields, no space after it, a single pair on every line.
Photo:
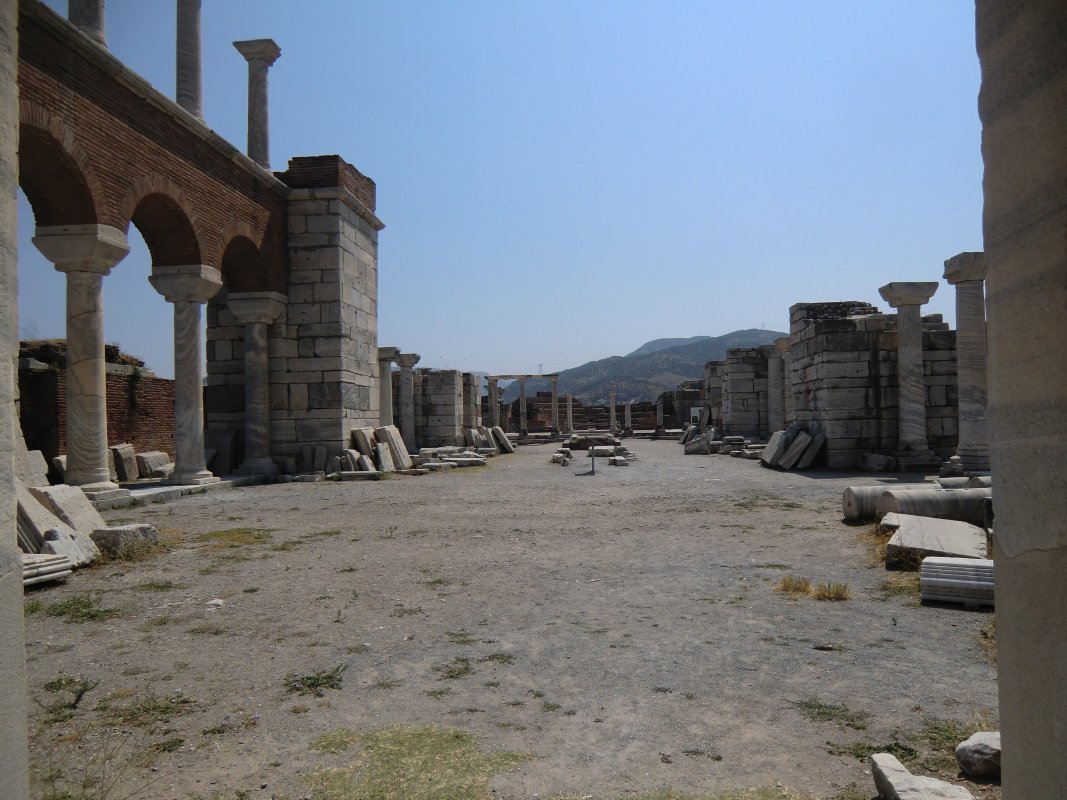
[907,299]
[189,90]
[570,413]
[611,411]
[967,272]
[627,418]
[407,398]
[260,54]
[85,253]
[88,16]
[555,405]
[386,357]
[188,287]
[493,403]
[659,415]
[257,310]
[522,407]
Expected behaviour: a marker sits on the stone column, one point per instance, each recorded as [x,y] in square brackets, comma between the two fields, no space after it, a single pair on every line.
[523,430]
[189,91]
[256,310]
[611,411]
[86,253]
[627,418]
[555,405]
[407,398]
[776,385]
[188,287]
[907,298]
[14,751]
[88,17]
[1021,48]
[570,413]
[967,272]
[493,403]
[386,357]
[659,415]
[260,54]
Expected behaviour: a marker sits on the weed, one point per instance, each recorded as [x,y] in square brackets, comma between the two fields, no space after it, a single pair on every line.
[547,706]
[945,734]
[818,711]
[70,692]
[456,668]
[536,694]
[244,721]
[316,682]
[460,637]
[499,658]
[337,741]
[900,584]
[80,608]
[491,684]
[834,592]
[158,586]
[251,590]
[861,751]
[987,638]
[773,565]
[206,630]
[298,709]
[437,694]
[515,703]
[437,583]
[151,709]
[357,649]
[793,586]
[400,610]
[286,546]
[662,689]
[234,537]
[167,745]
[32,607]
[385,684]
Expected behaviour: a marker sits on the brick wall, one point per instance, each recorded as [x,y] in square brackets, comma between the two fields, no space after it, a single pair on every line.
[139,410]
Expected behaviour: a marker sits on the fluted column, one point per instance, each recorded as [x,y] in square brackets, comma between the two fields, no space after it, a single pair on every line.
[88,16]
[189,92]
[555,404]
[522,407]
[188,287]
[967,272]
[907,299]
[570,413]
[407,398]
[386,357]
[493,402]
[260,54]
[611,411]
[85,253]
[257,310]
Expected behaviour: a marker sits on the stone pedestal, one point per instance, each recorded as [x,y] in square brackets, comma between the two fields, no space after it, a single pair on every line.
[257,310]
[907,299]
[555,405]
[386,357]
[188,287]
[260,54]
[407,398]
[611,412]
[523,426]
[86,253]
[188,92]
[967,272]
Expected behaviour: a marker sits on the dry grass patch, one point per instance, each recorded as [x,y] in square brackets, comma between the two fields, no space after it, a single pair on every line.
[412,764]
[834,592]
[987,638]
[794,586]
[234,537]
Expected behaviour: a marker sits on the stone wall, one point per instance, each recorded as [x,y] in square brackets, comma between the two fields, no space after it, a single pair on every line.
[140,409]
[744,393]
[842,376]
[713,392]
[438,407]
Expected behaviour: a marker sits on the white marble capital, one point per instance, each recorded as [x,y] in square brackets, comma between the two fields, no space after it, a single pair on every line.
[82,248]
[965,267]
[186,283]
[908,293]
[256,307]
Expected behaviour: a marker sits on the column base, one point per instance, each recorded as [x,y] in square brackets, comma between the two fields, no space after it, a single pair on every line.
[917,461]
[105,491]
[198,478]
[257,466]
[974,460]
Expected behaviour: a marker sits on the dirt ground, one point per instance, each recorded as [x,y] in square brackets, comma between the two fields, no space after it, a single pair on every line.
[622,629]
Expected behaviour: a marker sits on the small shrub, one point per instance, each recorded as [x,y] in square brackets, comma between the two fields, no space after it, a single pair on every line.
[834,592]
[80,608]
[317,682]
[456,668]
[499,658]
[817,711]
[793,586]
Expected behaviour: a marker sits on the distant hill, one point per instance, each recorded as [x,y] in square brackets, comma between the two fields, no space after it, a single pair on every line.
[650,370]
[663,344]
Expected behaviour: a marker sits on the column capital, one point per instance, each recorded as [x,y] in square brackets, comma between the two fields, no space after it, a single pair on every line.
[386,355]
[186,283]
[965,267]
[82,248]
[265,50]
[407,360]
[908,293]
[781,346]
[251,307]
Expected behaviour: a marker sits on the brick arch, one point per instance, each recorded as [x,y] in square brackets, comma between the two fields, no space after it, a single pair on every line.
[164,216]
[54,171]
[242,264]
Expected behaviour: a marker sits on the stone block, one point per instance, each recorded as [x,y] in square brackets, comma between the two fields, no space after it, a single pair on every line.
[775,449]
[915,538]
[365,464]
[390,435]
[893,782]
[796,449]
[811,451]
[151,463]
[125,462]
[60,542]
[384,456]
[74,509]
[979,755]
[126,541]
[319,463]
[32,467]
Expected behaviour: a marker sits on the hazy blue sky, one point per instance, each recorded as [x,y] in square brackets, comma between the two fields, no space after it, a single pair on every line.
[562,181]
